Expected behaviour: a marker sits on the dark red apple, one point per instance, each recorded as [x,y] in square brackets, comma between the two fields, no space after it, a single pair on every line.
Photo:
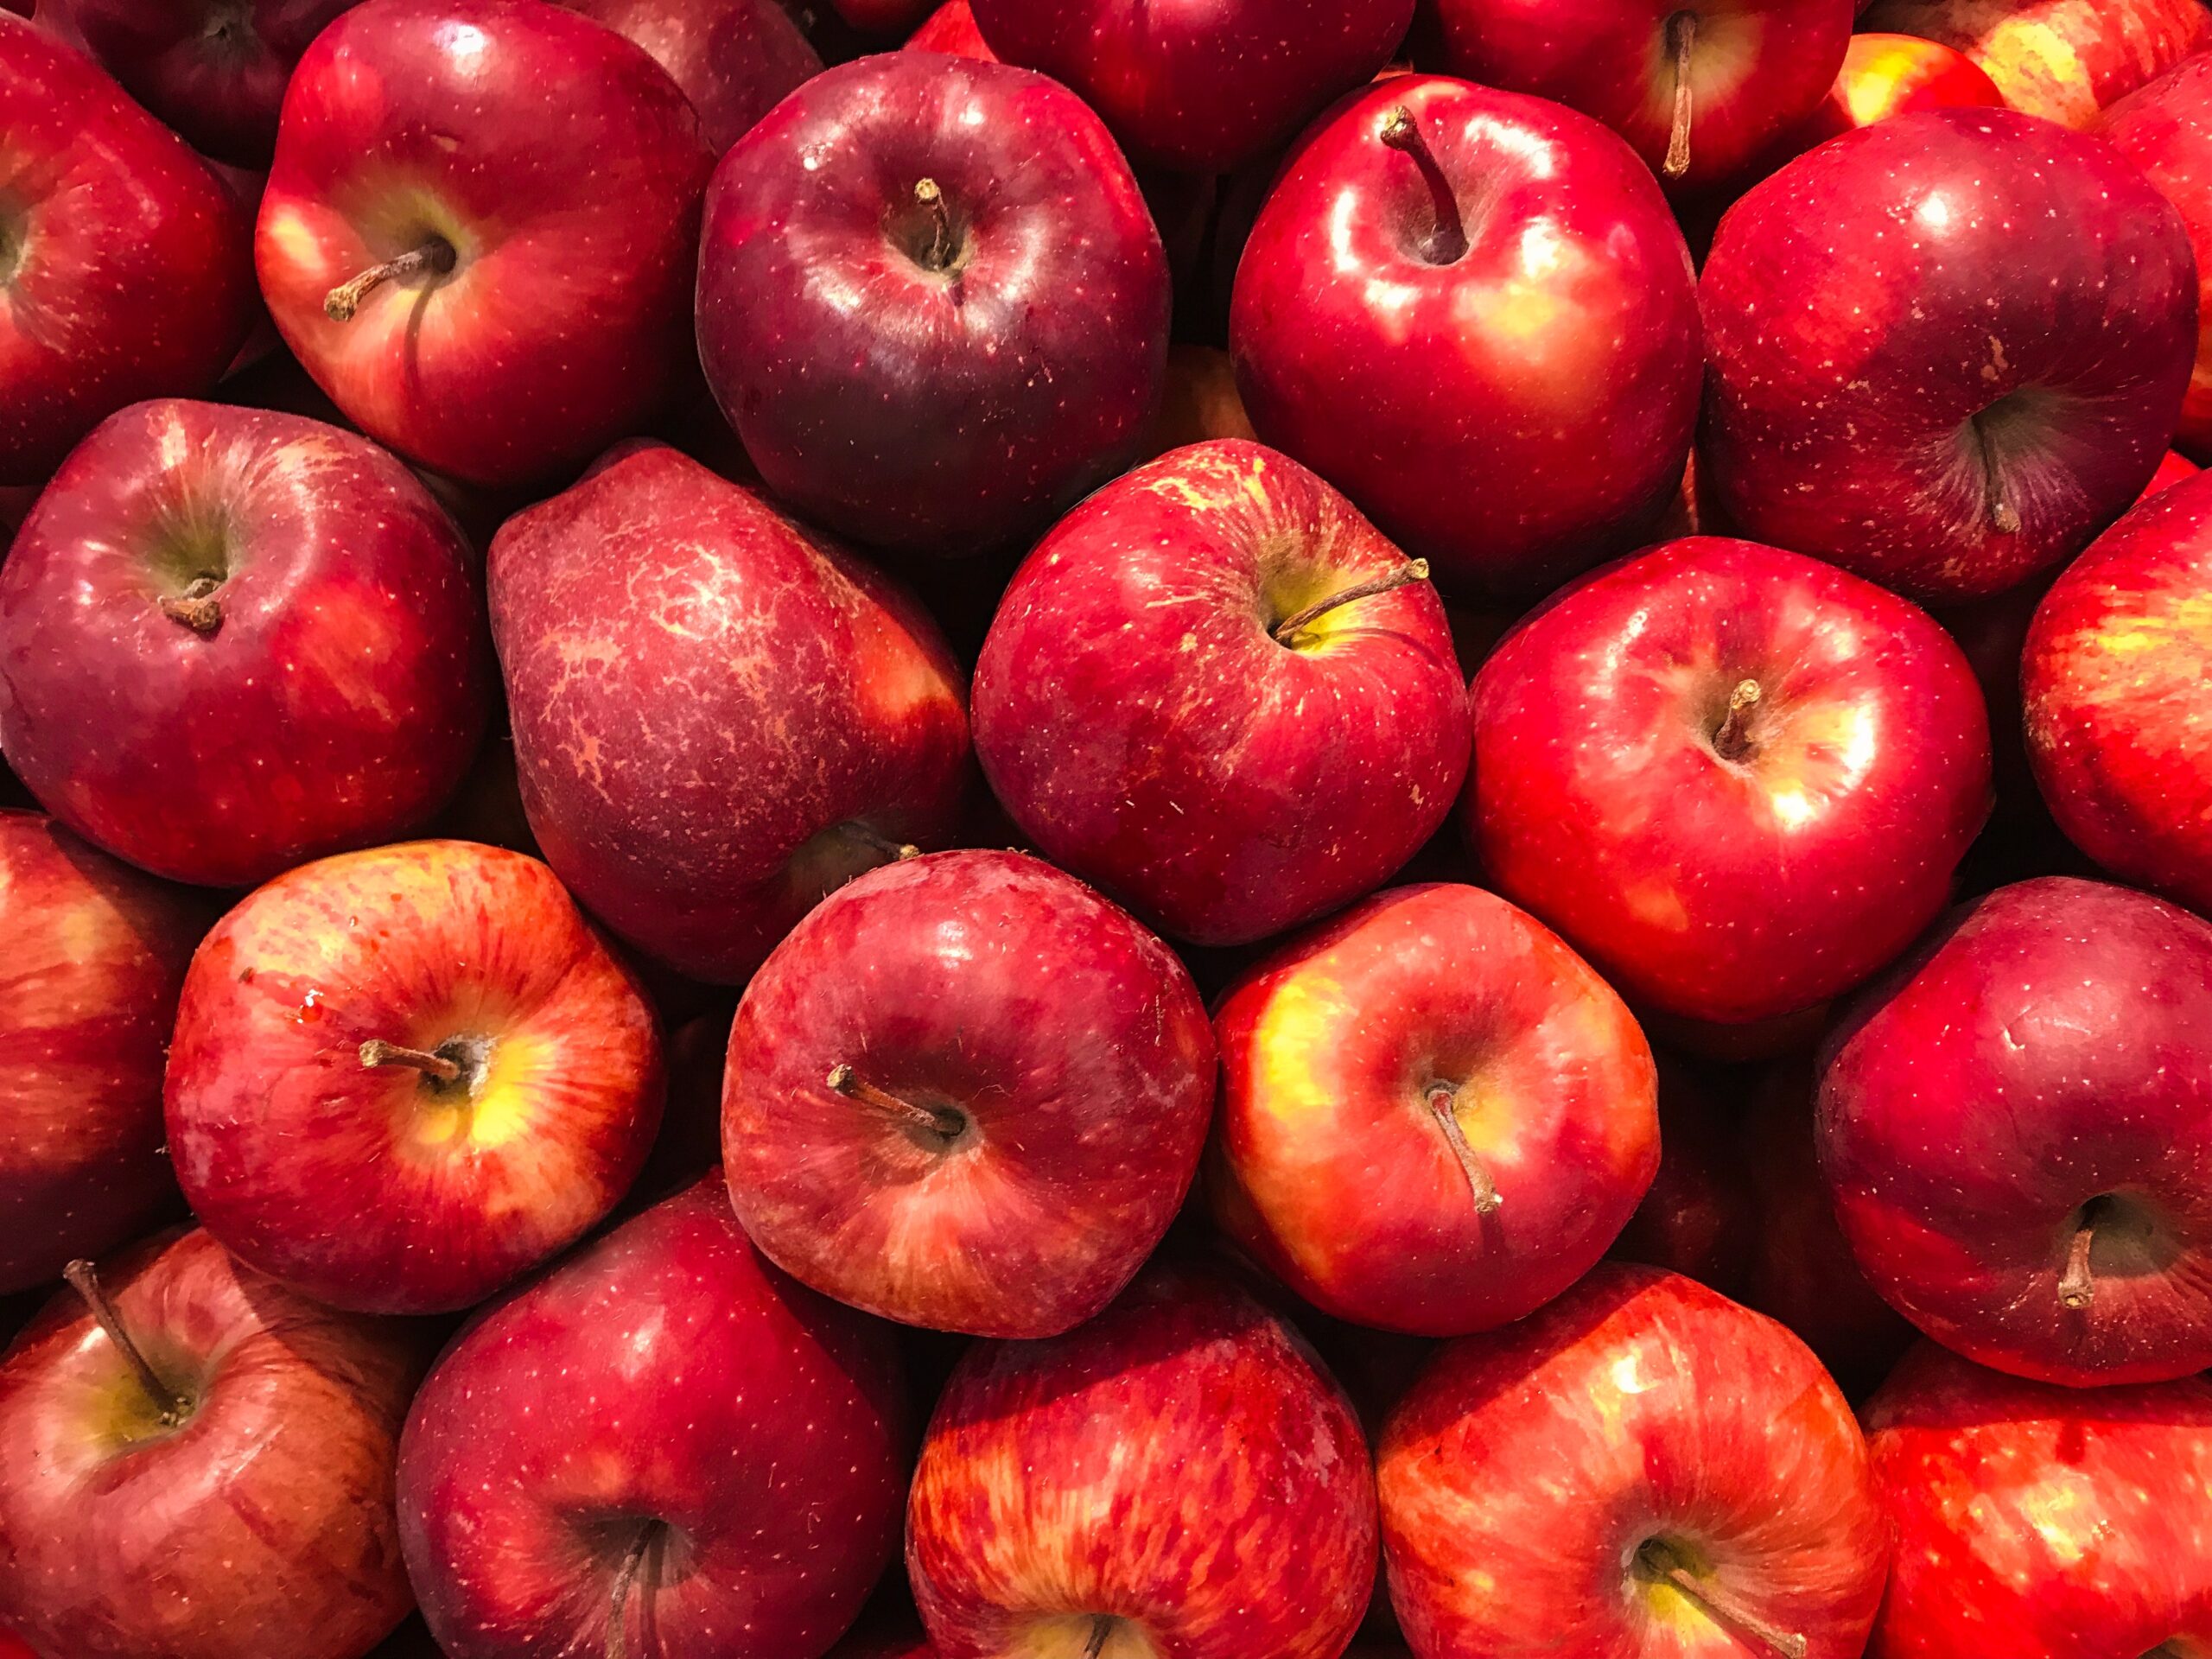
[479,229]
[1699,1217]
[1434,1118]
[1472,312]
[402,1077]
[2017,1126]
[1738,779]
[719,716]
[1178,1477]
[1944,350]
[124,264]
[735,60]
[233,640]
[196,1462]
[1216,691]
[2062,60]
[952,28]
[1642,1470]
[931,301]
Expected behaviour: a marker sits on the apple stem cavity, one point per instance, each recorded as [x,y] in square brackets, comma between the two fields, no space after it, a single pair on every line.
[435,256]
[1447,242]
[197,607]
[1734,740]
[2076,1289]
[1406,575]
[1657,1558]
[84,1280]
[1483,1190]
[376,1052]
[939,1121]
[898,850]
[1682,37]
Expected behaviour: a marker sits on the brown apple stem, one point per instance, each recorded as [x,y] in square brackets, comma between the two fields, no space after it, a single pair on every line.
[1448,241]
[197,607]
[84,1280]
[937,1121]
[884,844]
[376,1052]
[1405,576]
[435,256]
[1728,1610]
[625,1577]
[938,254]
[2003,518]
[1682,36]
[1101,1628]
[1734,740]
[2076,1289]
[1480,1187]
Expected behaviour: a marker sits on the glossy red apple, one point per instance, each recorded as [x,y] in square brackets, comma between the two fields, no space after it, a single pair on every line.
[1472,312]
[1216,691]
[2017,1126]
[232,640]
[932,302]
[402,1078]
[1945,350]
[196,1462]
[124,265]
[1176,1477]
[479,232]
[735,60]
[1700,1217]
[1200,86]
[2033,1520]
[1434,1118]
[1884,75]
[952,28]
[2174,468]
[1738,779]
[747,719]
[2062,60]
[680,1453]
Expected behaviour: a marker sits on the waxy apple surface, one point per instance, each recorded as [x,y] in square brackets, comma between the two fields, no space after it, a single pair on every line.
[2062,60]
[735,59]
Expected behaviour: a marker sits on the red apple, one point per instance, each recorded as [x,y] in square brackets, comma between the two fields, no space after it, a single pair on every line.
[747,718]
[96,955]
[952,28]
[2035,1521]
[1216,691]
[479,232]
[2062,60]
[1944,350]
[2017,1126]
[1434,1117]
[735,60]
[1177,1477]
[663,1449]
[2174,468]
[1884,75]
[1736,779]
[1472,312]
[402,1078]
[931,301]
[1200,86]
[123,260]
[1642,1469]
[232,640]
[197,1463]
[1700,1217]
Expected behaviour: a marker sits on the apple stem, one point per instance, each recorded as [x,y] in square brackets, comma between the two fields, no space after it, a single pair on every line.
[2076,1289]
[197,607]
[84,1280]
[1728,1610]
[435,256]
[1101,1628]
[1448,240]
[2002,516]
[1480,1187]
[1682,36]
[937,1120]
[892,849]
[1733,741]
[625,1577]
[376,1052]
[939,254]
[1416,570]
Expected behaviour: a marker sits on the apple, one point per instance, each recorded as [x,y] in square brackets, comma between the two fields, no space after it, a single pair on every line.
[1177,1477]
[400,1078]
[196,1462]
[735,60]
[1884,75]
[1472,312]
[2038,1520]
[931,301]
[1944,350]
[1701,89]
[2062,60]
[479,229]
[2174,468]
[1434,1118]
[951,29]
[1642,1468]
[96,956]
[1699,1217]
[747,718]
[2016,1128]
[125,268]
[1738,779]
[232,640]
[1215,690]
[664,1447]
[1200,86]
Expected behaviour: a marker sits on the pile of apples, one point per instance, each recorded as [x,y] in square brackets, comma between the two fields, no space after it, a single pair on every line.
[1105,830]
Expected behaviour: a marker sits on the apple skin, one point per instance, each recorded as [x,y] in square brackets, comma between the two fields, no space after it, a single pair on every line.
[1068,1039]
[735,60]
[561,167]
[951,29]
[2042,1066]
[1719,890]
[1700,1217]
[96,956]
[1516,414]
[263,1524]
[1089,1478]
[2111,677]
[2174,468]
[1137,717]
[2042,1521]
[1332,1165]
[1200,86]
[373,1187]
[697,784]
[1528,1467]
[664,1380]
[125,270]
[2061,59]
[930,399]
[1884,75]
[337,702]
[1944,350]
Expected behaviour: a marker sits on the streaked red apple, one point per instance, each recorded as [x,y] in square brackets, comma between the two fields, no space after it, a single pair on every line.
[2062,60]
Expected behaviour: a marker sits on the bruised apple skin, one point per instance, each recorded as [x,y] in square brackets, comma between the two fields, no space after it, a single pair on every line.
[2062,60]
